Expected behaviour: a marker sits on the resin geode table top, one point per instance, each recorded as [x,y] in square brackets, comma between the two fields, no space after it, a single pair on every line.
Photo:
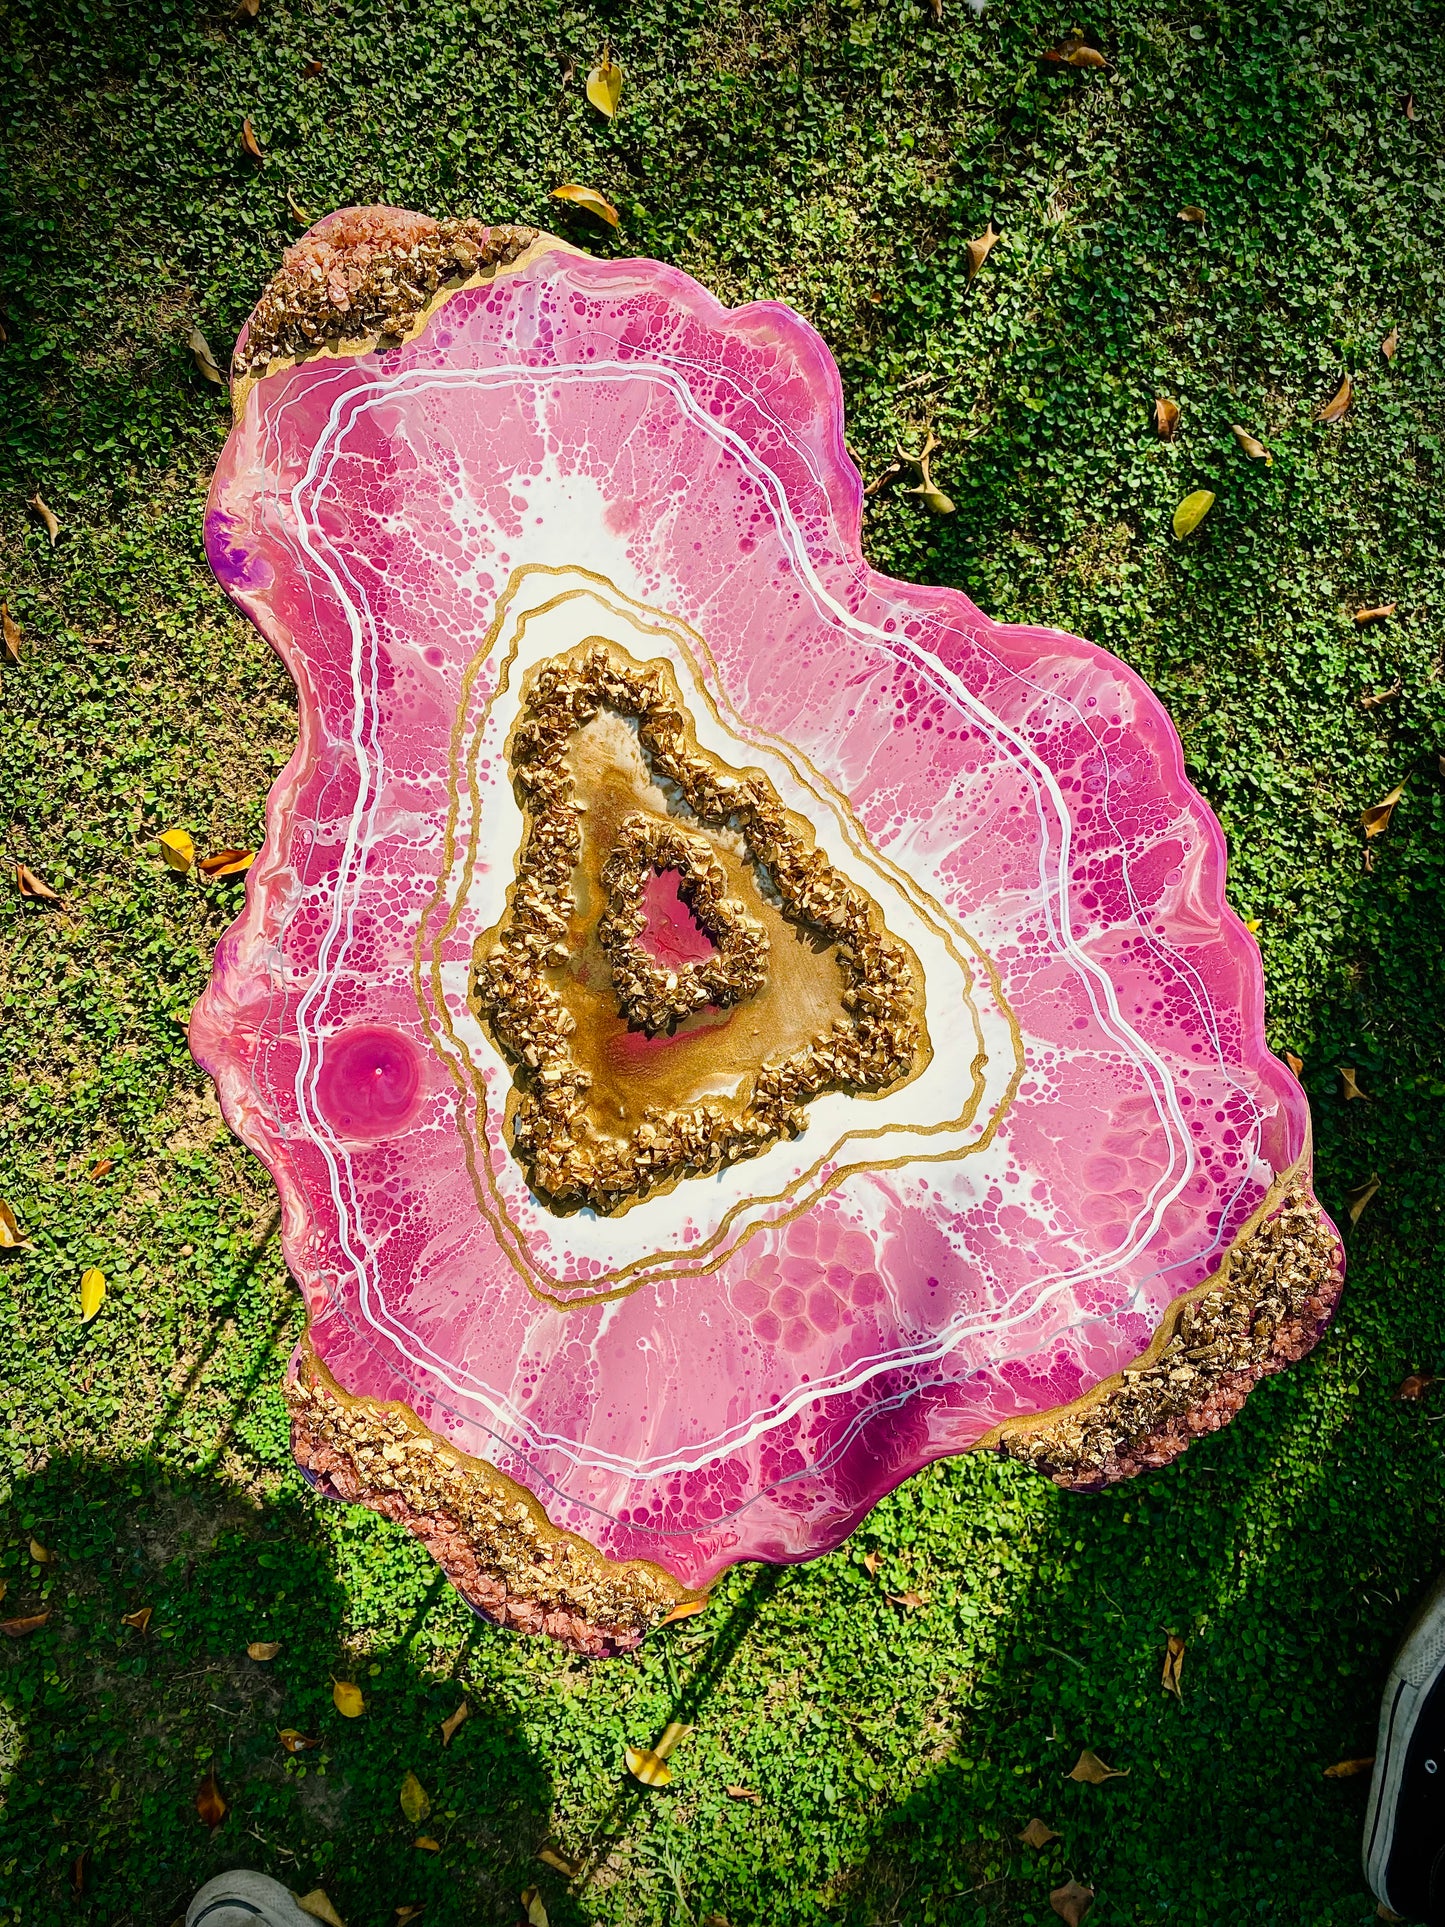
[727,1027]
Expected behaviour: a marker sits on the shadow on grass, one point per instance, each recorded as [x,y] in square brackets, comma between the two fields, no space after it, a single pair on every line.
[111,1730]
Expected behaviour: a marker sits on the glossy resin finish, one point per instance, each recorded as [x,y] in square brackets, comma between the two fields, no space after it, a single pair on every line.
[737,1363]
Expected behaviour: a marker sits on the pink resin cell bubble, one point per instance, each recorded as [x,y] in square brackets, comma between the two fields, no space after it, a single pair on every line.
[952,1098]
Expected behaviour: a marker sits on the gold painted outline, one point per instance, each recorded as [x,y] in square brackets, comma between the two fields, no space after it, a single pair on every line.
[670,629]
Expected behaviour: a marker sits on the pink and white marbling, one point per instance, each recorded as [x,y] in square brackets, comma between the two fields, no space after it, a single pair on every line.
[739,1368]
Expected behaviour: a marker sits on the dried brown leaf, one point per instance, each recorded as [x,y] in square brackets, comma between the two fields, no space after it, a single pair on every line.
[300,215]
[30,885]
[100,1169]
[201,354]
[18,1628]
[48,517]
[139,1620]
[227,863]
[250,8]
[1410,113]
[744,1793]
[311,69]
[1360,1197]
[1335,408]
[319,1907]
[1038,1834]
[604,84]
[1349,1769]
[210,1802]
[410,1909]
[1295,1063]
[1173,1667]
[78,1869]
[589,200]
[294,1740]
[12,632]
[249,143]
[872,1562]
[1349,1086]
[10,1238]
[1071,52]
[42,1555]
[536,1908]
[1071,1902]
[1378,612]
[978,251]
[1376,819]
[1166,418]
[910,1599]
[449,1726]
[1092,1770]
[1415,1386]
[1195,216]
[1372,698]
[560,1861]
[263,1649]
[1389,347]
[1256,450]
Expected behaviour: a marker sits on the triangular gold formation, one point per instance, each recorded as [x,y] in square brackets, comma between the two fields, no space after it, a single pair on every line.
[627,1076]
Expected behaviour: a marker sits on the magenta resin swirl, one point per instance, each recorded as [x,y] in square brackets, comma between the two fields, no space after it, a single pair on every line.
[727,1028]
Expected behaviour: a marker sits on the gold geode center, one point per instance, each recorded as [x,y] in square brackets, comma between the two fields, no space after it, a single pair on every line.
[627,1076]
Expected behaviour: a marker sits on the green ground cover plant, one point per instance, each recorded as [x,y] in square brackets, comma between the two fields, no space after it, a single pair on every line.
[855,1760]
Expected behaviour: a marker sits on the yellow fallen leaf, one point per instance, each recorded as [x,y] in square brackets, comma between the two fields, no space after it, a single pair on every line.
[560,1861]
[210,1802]
[1348,1769]
[1173,1667]
[450,1726]
[201,354]
[1360,1197]
[1071,52]
[1071,1902]
[1377,817]
[18,1628]
[10,1238]
[42,1555]
[1092,1770]
[1334,409]
[12,632]
[263,1649]
[48,517]
[299,214]
[92,1293]
[139,1619]
[536,1911]
[644,1765]
[1166,418]
[408,1911]
[1254,925]
[1348,1085]
[319,1907]
[604,84]
[415,1800]
[1192,511]
[589,200]
[978,251]
[673,1734]
[177,849]
[1377,612]
[426,1844]
[1038,1834]
[1251,447]
[227,863]
[347,1699]
[684,1610]
[1195,216]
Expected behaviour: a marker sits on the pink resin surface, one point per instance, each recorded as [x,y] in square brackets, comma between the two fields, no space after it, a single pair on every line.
[739,1367]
